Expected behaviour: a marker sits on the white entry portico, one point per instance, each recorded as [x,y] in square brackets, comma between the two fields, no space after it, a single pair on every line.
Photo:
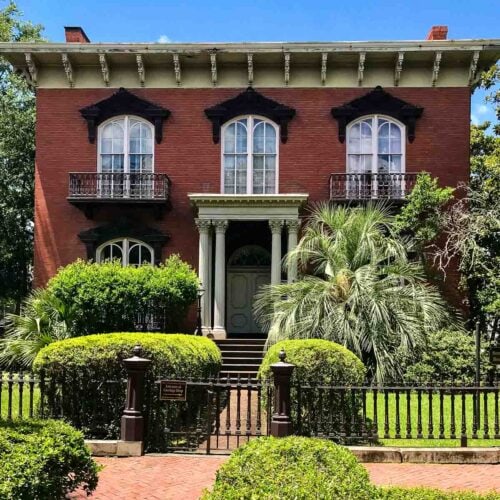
[215,214]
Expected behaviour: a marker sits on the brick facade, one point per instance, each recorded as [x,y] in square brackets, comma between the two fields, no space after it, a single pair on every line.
[192,161]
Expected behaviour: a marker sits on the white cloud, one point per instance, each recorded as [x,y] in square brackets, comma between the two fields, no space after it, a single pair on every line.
[164,39]
[474,120]
[482,109]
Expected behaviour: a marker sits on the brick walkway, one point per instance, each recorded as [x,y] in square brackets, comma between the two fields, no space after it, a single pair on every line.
[181,477]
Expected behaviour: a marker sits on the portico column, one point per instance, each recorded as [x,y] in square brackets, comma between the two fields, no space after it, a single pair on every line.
[293,228]
[275,225]
[204,270]
[220,278]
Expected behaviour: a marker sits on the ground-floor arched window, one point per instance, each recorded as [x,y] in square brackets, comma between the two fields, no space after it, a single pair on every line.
[129,251]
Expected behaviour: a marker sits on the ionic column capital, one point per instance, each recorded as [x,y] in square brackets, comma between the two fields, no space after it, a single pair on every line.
[293,225]
[203,225]
[220,226]
[276,225]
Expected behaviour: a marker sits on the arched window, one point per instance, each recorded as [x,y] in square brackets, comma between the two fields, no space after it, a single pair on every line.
[375,157]
[131,252]
[126,157]
[250,156]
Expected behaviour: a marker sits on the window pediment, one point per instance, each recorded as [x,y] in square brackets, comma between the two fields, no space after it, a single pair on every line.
[377,101]
[249,102]
[124,102]
[124,228]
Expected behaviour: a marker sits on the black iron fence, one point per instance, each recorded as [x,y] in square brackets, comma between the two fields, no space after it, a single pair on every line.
[373,414]
[218,415]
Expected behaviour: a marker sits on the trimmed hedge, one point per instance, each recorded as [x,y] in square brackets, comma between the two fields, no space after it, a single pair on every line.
[305,468]
[91,374]
[395,493]
[107,297]
[42,460]
[292,467]
[318,362]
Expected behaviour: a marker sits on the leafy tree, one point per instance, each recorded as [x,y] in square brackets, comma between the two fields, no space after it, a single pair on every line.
[358,288]
[17,159]
[421,217]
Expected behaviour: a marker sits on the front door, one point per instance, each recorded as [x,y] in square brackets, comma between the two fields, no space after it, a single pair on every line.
[242,285]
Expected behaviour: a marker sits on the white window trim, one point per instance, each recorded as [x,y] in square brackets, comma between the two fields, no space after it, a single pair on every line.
[126,244]
[126,141]
[250,128]
[374,153]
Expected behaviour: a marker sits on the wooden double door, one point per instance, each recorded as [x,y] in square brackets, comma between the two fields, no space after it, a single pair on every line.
[242,285]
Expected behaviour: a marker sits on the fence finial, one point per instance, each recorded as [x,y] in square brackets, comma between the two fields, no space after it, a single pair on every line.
[282,355]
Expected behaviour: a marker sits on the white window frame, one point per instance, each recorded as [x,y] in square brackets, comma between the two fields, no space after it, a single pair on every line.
[374,155]
[126,244]
[250,127]
[126,141]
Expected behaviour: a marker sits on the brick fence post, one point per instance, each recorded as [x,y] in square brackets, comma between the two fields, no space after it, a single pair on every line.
[281,421]
[132,424]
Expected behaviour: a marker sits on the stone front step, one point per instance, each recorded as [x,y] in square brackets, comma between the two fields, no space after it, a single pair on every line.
[241,357]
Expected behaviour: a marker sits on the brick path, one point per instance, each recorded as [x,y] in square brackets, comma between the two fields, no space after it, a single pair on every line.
[181,477]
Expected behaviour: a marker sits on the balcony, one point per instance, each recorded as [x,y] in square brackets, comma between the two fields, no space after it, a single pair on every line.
[359,187]
[88,190]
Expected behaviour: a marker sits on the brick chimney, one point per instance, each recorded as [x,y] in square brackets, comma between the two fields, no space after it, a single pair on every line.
[75,34]
[438,33]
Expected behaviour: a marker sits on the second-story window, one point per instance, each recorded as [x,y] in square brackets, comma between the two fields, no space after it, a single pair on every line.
[375,158]
[250,156]
[126,153]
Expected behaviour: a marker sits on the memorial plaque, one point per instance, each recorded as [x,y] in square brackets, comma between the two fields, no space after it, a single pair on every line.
[495,355]
[173,390]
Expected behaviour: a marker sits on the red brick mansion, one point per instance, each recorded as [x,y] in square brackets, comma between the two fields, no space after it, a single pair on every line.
[213,151]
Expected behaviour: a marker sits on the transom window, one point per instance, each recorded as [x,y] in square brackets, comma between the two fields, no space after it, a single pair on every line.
[250,156]
[126,145]
[129,251]
[375,145]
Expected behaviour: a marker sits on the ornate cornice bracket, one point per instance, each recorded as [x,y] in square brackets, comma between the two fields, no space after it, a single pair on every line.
[249,102]
[124,102]
[377,101]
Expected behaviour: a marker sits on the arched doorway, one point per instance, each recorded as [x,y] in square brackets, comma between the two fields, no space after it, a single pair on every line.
[248,268]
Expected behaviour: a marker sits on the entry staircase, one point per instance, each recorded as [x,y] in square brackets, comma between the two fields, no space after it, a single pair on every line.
[241,357]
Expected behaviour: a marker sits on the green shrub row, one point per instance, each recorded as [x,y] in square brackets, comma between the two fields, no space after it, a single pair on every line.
[305,469]
[86,378]
[107,297]
[43,460]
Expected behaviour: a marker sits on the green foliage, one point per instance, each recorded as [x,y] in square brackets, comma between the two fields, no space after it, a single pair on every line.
[449,355]
[316,361]
[43,460]
[421,217]
[395,493]
[292,467]
[17,163]
[91,369]
[358,288]
[108,297]
[43,319]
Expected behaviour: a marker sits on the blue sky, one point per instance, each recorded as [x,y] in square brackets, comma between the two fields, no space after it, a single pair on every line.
[260,20]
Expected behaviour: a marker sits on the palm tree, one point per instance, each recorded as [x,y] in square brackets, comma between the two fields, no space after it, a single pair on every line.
[357,287]
[43,320]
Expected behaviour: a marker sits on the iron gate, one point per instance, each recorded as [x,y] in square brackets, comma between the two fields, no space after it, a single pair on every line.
[217,416]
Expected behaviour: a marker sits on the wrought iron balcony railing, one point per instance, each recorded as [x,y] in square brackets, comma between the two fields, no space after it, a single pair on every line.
[99,186]
[352,187]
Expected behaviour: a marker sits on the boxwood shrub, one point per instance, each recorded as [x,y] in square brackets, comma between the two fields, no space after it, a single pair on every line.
[106,297]
[396,493]
[292,467]
[43,460]
[85,378]
[319,362]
